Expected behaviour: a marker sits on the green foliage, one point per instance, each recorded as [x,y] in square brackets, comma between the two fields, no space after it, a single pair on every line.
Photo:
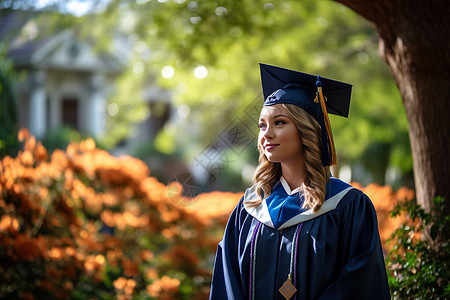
[9,144]
[61,137]
[126,107]
[230,38]
[419,264]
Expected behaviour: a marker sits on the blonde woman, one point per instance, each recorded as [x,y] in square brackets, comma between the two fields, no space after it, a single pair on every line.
[298,232]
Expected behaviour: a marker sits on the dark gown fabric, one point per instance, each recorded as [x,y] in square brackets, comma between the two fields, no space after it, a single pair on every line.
[339,254]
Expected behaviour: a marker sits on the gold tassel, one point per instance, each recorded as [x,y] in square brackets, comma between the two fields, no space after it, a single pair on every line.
[331,148]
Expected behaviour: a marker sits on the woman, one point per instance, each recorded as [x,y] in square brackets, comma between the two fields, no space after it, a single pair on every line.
[299,233]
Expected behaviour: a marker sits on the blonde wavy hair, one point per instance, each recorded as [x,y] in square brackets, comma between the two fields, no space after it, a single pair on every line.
[268,173]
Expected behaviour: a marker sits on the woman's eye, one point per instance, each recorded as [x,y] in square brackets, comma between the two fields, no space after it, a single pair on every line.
[279,122]
[261,125]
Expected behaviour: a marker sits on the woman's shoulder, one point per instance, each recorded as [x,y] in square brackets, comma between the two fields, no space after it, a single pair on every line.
[336,185]
[239,209]
[353,196]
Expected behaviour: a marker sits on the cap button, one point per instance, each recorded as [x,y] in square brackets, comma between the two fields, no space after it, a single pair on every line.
[318,82]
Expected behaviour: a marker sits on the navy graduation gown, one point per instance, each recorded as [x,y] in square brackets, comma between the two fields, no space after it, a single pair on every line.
[339,248]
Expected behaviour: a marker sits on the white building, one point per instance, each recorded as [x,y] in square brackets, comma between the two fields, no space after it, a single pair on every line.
[65,81]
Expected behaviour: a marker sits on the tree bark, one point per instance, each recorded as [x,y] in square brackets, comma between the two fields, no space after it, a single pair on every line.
[414,40]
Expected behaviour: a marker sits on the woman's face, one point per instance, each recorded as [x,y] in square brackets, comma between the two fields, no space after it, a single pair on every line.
[278,136]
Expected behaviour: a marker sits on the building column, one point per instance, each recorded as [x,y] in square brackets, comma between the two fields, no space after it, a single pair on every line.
[54,112]
[96,106]
[38,109]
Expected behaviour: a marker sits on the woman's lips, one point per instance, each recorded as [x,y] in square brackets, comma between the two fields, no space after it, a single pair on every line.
[270,146]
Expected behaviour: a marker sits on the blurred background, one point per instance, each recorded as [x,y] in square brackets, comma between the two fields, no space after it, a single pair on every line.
[176,83]
[128,134]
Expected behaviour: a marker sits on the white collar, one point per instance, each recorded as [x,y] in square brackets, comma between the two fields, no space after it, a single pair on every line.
[261,212]
[287,188]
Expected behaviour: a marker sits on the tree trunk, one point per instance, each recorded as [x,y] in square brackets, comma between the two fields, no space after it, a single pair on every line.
[414,39]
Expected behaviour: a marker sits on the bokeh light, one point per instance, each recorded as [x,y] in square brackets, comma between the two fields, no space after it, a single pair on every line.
[201,72]
[167,72]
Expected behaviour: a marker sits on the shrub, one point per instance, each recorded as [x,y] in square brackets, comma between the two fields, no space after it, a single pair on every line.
[419,263]
[9,144]
[83,224]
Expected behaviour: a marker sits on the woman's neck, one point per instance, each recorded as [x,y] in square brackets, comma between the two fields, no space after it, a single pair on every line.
[294,174]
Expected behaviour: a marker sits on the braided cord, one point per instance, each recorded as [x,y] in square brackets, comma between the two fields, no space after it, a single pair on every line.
[253,245]
[294,253]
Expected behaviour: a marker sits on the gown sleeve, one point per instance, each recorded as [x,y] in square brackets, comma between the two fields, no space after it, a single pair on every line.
[226,281]
[363,272]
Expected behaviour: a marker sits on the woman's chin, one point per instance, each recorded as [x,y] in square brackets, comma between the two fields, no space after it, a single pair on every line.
[272,159]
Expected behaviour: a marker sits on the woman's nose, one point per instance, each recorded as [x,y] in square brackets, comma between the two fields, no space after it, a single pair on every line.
[268,133]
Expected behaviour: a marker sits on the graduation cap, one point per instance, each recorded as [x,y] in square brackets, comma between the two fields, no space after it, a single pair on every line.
[307,91]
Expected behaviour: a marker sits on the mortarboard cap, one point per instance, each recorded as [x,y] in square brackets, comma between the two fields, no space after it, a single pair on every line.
[307,91]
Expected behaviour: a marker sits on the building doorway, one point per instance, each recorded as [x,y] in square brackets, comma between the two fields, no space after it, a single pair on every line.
[70,108]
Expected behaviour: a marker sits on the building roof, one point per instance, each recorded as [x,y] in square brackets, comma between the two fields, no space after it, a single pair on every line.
[60,50]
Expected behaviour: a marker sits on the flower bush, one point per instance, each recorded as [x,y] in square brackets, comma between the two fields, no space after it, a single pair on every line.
[83,224]
[419,262]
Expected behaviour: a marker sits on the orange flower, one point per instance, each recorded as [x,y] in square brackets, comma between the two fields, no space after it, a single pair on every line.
[59,158]
[30,249]
[167,233]
[120,222]
[120,283]
[107,217]
[23,134]
[109,199]
[130,219]
[130,268]
[128,192]
[55,253]
[214,206]
[154,190]
[87,145]
[151,273]
[110,176]
[93,245]
[100,259]
[174,191]
[26,158]
[43,192]
[169,214]
[9,223]
[71,149]
[111,242]
[125,288]
[40,152]
[94,263]
[128,287]
[165,288]
[113,257]
[181,256]
[30,143]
